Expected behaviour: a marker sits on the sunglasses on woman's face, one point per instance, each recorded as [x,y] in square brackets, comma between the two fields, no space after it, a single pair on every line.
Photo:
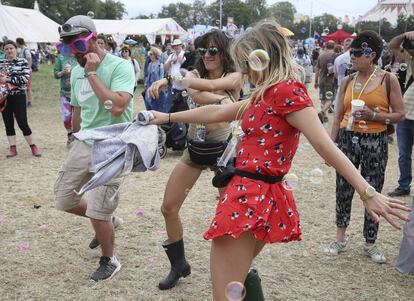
[79,45]
[212,51]
[356,52]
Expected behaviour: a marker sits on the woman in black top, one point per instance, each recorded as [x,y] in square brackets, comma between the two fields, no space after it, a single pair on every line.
[15,72]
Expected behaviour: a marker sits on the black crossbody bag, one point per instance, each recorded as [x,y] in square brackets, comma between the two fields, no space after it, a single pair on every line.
[207,152]
[225,173]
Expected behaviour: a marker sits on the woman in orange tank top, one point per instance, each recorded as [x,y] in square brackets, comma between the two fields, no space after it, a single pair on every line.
[368,101]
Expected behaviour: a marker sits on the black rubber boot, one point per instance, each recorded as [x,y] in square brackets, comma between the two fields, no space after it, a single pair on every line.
[179,266]
[253,286]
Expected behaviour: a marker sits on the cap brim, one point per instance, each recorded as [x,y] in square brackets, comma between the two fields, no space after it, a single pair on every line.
[74,32]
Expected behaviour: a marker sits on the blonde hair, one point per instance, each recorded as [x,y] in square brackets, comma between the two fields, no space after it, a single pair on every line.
[155,51]
[281,66]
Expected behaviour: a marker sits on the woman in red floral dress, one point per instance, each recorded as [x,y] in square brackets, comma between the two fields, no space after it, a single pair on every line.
[251,213]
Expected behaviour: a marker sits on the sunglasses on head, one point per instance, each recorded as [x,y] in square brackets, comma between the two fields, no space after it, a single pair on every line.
[356,52]
[212,51]
[79,45]
[69,27]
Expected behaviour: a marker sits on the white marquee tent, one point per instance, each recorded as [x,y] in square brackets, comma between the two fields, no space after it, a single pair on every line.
[119,29]
[29,24]
[389,10]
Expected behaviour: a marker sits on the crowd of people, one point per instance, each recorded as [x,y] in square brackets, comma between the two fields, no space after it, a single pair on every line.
[361,81]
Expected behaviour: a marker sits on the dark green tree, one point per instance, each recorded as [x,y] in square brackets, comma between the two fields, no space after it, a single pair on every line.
[180,12]
[284,12]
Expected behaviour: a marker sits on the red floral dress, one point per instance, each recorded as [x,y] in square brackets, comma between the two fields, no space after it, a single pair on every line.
[268,146]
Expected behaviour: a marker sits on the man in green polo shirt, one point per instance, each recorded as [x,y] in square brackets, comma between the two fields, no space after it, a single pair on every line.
[101,93]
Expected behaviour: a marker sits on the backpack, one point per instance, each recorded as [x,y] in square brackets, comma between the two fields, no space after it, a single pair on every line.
[35,61]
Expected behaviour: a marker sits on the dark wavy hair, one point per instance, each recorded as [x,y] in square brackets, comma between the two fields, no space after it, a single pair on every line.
[219,39]
[373,40]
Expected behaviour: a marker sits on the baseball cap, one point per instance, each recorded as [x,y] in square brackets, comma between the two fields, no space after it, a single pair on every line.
[76,25]
[176,42]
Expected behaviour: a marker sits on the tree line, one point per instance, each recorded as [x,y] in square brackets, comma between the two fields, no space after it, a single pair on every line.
[244,12]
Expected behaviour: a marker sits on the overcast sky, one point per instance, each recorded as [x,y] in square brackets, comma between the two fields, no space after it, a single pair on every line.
[338,8]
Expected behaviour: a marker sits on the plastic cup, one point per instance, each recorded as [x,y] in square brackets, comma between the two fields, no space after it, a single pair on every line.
[357,105]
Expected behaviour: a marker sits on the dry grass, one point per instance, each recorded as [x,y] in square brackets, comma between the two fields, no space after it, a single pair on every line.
[58,262]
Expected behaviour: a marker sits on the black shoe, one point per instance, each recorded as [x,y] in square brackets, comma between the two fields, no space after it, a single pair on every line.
[253,286]
[179,266]
[107,269]
[399,192]
[29,104]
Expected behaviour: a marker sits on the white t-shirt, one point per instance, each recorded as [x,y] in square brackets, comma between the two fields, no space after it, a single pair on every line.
[177,62]
[340,65]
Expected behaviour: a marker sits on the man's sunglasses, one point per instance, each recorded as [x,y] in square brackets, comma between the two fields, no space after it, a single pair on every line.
[356,52]
[79,45]
[212,51]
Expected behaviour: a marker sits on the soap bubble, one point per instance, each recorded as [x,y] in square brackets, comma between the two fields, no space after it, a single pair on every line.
[316,176]
[403,67]
[329,95]
[357,86]
[387,121]
[258,60]
[108,104]
[290,181]
[355,139]
[235,291]
[364,45]
[184,93]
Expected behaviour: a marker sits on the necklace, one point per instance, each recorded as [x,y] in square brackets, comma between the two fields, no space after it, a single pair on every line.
[365,84]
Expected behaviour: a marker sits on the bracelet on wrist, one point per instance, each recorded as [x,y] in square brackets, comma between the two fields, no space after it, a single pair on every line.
[373,115]
[90,73]
[223,98]
[169,117]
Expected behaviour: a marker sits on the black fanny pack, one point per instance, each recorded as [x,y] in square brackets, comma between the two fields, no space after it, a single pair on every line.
[225,173]
[205,152]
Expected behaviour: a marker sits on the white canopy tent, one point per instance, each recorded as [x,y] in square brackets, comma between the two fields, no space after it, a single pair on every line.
[119,29]
[389,10]
[29,24]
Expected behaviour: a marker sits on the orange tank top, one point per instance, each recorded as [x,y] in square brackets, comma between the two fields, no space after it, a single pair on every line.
[376,98]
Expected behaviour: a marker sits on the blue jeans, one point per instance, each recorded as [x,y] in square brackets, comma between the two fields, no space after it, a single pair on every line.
[405,137]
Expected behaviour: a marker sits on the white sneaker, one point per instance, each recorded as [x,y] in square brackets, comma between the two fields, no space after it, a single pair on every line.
[117,221]
[372,251]
[335,248]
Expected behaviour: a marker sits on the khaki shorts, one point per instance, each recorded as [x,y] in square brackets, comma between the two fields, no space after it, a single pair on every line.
[75,172]
[218,134]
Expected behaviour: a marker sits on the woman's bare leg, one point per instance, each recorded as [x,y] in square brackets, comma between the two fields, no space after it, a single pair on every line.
[230,260]
[181,180]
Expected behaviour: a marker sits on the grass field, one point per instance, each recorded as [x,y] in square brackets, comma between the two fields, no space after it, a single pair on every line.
[44,253]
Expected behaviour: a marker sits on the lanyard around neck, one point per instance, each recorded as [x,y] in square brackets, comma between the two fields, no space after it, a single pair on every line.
[364,86]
